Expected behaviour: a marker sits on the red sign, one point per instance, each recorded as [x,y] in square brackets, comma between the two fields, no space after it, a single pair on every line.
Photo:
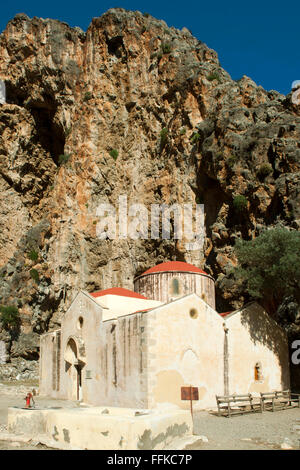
[189,393]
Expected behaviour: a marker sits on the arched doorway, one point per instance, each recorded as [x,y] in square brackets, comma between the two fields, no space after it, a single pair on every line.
[73,366]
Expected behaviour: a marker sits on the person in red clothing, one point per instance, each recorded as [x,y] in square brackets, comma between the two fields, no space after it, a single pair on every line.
[28,399]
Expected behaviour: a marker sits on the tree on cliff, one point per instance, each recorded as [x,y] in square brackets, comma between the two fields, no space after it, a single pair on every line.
[9,316]
[269,266]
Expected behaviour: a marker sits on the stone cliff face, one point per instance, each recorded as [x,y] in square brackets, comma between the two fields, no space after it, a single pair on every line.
[131,107]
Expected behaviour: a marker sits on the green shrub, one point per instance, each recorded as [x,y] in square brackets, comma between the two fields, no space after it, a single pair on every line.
[231,161]
[114,154]
[213,76]
[64,158]
[182,131]
[68,131]
[163,137]
[33,255]
[87,96]
[34,275]
[9,316]
[195,137]
[166,48]
[240,203]
[264,170]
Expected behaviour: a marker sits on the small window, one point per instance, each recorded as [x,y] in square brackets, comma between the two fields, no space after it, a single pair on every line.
[257,372]
[80,323]
[175,286]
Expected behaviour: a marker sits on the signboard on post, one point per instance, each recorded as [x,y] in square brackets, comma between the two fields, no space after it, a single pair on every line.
[190,393]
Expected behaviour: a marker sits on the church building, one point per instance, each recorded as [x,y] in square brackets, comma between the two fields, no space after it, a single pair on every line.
[138,349]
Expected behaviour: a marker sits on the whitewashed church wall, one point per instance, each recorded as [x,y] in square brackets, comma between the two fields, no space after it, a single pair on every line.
[255,340]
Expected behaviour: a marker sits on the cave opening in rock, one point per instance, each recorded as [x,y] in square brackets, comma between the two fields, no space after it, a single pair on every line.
[115,46]
[50,133]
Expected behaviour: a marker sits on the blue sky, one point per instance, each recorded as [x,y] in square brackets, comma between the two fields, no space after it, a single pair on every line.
[260,39]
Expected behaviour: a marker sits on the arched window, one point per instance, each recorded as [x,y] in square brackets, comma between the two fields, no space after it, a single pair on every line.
[80,323]
[175,286]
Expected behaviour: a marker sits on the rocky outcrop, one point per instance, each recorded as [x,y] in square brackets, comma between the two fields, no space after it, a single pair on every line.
[131,107]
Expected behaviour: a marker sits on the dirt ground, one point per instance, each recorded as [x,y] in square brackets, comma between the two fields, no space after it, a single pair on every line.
[255,431]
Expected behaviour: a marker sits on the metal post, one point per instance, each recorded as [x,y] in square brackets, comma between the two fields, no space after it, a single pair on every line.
[191,401]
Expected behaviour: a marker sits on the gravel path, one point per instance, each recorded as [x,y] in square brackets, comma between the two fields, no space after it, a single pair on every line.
[254,431]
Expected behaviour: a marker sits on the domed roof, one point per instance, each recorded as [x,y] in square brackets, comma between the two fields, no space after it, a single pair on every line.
[177,266]
[118,291]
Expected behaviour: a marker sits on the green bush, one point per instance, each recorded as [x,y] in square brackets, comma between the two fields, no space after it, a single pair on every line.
[114,154]
[68,131]
[195,137]
[64,158]
[33,255]
[240,203]
[163,137]
[213,76]
[182,131]
[264,170]
[87,96]
[34,275]
[9,316]
[231,161]
[166,48]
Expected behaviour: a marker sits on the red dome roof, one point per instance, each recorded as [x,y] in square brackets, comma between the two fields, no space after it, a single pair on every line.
[174,266]
[118,291]
[224,314]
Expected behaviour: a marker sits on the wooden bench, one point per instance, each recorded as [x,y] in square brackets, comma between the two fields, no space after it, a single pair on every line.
[280,400]
[238,404]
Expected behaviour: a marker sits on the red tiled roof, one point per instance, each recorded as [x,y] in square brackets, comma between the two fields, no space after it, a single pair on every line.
[224,314]
[144,310]
[174,266]
[118,291]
